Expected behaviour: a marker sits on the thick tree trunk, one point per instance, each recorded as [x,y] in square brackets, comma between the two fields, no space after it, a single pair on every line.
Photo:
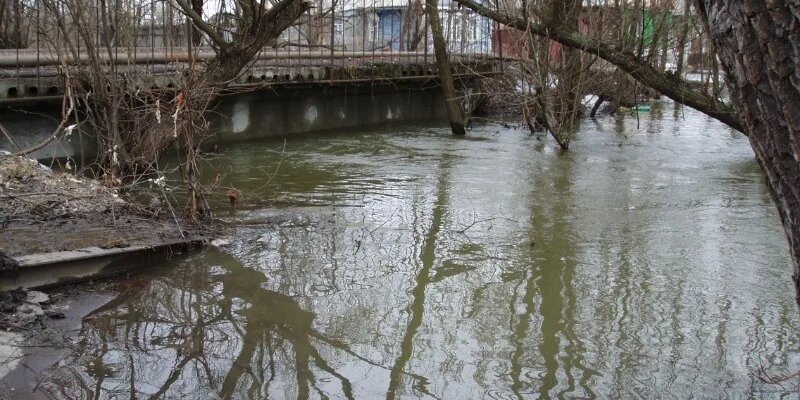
[758,44]
[454,111]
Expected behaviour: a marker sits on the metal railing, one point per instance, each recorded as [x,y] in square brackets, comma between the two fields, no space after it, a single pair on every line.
[340,41]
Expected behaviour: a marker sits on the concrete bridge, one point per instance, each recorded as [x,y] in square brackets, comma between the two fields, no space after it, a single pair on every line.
[29,76]
[281,93]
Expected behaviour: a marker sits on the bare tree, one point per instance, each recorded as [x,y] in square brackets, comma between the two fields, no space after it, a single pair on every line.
[668,84]
[560,102]
[133,126]
[414,24]
[13,27]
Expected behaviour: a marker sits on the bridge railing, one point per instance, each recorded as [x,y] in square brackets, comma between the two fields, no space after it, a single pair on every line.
[335,41]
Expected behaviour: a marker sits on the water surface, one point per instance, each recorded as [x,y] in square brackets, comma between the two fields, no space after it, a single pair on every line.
[648,261]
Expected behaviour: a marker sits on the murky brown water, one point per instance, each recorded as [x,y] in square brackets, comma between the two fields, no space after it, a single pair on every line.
[644,263]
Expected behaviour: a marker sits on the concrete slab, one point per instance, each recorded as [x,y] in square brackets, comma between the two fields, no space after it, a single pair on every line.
[61,267]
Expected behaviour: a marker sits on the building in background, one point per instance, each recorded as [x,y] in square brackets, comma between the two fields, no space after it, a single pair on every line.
[389,26]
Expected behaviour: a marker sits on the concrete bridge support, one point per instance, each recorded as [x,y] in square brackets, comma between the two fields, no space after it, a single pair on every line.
[323,108]
[271,112]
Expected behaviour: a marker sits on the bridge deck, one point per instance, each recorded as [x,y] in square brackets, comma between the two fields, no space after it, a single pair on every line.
[27,75]
[12,59]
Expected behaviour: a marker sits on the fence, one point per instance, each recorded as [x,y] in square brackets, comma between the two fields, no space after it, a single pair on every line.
[336,40]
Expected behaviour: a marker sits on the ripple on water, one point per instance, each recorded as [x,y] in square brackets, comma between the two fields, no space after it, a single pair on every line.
[495,266]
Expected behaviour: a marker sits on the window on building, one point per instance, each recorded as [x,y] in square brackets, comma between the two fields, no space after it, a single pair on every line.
[338,27]
[473,28]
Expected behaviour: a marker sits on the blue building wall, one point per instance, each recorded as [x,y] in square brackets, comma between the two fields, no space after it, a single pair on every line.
[390,28]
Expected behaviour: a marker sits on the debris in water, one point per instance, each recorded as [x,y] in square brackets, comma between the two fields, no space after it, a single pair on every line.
[54,314]
[233,196]
[29,311]
[220,242]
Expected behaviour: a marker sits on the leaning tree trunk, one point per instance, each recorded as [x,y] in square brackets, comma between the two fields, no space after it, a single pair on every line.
[758,46]
[454,111]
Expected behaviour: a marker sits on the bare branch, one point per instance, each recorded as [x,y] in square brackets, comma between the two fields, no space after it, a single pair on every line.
[204,26]
[670,85]
[58,131]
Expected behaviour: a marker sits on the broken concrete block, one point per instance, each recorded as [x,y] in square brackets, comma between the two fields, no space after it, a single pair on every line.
[36,297]
[29,310]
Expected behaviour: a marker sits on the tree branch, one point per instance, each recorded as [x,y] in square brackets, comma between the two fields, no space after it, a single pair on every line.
[672,86]
[204,26]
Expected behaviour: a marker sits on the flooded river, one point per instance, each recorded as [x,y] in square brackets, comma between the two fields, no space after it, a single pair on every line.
[403,262]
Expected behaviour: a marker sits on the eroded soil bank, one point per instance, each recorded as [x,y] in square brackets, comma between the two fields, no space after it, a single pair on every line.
[44,211]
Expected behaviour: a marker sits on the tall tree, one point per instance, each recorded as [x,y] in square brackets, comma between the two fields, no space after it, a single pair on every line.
[13,30]
[565,97]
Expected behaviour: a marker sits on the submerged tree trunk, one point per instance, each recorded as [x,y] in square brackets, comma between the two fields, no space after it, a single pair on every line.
[454,111]
[568,91]
[758,46]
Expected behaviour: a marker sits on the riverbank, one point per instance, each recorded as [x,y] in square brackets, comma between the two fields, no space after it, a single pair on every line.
[59,227]
[43,211]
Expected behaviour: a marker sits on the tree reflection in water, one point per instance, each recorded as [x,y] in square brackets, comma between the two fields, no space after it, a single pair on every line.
[491,267]
[205,327]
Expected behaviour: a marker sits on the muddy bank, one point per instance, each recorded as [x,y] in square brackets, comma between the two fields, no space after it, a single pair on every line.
[27,350]
[30,322]
[43,211]
[34,350]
